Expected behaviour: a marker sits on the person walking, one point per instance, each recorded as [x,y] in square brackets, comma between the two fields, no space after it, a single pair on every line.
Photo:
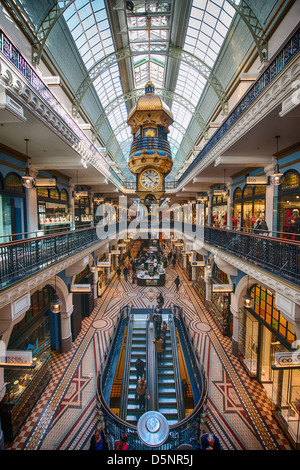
[158,346]
[157,322]
[119,272]
[141,389]
[174,262]
[160,299]
[210,442]
[122,444]
[98,440]
[125,273]
[177,282]
[140,368]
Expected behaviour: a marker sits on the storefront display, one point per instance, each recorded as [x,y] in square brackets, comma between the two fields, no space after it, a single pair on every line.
[219,211]
[289,206]
[25,384]
[286,399]
[53,209]
[219,301]
[248,207]
[83,215]
[262,331]
[12,207]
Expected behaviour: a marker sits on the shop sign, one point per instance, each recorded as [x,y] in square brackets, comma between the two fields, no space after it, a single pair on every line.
[198,263]
[257,180]
[218,192]
[45,182]
[115,252]
[16,358]
[287,359]
[82,193]
[223,287]
[103,264]
[81,288]
[178,244]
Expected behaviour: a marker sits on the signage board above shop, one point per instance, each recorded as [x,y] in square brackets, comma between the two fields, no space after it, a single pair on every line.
[81,288]
[45,182]
[219,192]
[256,180]
[222,288]
[198,263]
[287,359]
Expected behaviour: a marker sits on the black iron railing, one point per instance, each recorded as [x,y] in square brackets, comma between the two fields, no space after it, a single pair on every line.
[277,256]
[22,258]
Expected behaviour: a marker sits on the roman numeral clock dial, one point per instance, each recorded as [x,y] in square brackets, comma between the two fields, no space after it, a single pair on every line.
[150,179]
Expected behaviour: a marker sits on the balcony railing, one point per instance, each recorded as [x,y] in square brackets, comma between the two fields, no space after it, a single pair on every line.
[274,255]
[22,258]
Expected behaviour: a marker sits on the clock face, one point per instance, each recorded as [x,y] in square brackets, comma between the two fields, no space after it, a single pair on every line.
[150,179]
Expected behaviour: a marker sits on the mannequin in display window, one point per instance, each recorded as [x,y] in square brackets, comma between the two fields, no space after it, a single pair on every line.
[294,225]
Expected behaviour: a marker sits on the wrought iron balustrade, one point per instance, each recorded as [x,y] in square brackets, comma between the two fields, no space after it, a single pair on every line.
[22,258]
[275,255]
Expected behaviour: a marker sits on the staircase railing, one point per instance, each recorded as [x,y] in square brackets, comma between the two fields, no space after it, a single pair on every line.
[177,374]
[126,372]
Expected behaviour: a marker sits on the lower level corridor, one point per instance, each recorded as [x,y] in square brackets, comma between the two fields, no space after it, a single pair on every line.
[64,418]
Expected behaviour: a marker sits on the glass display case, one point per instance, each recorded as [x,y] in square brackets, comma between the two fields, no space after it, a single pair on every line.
[51,213]
[286,401]
[248,341]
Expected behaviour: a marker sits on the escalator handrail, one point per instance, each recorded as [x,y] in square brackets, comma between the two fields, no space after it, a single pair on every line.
[126,372]
[177,374]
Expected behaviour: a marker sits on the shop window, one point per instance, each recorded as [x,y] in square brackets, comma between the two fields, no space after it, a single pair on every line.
[54,193]
[1,182]
[64,195]
[13,183]
[291,180]
[264,306]
[237,194]
[219,275]
[260,190]
[42,192]
[248,191]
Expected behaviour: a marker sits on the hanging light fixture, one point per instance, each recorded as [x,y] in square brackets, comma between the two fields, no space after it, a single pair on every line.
[277,177]
[248,301]
[55,305]
[27,180]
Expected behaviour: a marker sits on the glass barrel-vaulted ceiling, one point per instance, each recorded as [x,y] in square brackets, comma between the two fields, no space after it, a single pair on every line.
[207,27]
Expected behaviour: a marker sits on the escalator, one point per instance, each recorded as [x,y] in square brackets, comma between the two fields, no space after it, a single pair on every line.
[138,350]
[166,383]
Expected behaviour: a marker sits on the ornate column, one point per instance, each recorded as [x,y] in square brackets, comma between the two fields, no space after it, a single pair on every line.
[66,332]
[270,193]
[235,328]
[72,205]
[32,207]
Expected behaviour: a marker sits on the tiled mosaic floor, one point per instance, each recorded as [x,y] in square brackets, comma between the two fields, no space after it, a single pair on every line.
[238,410]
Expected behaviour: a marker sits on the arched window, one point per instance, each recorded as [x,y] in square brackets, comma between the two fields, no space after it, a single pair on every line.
[64,195]
[54,193]
[259,190]
[13,183]
[237,194]
[265,308]
[248,191]
[291,180]
[43,192]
